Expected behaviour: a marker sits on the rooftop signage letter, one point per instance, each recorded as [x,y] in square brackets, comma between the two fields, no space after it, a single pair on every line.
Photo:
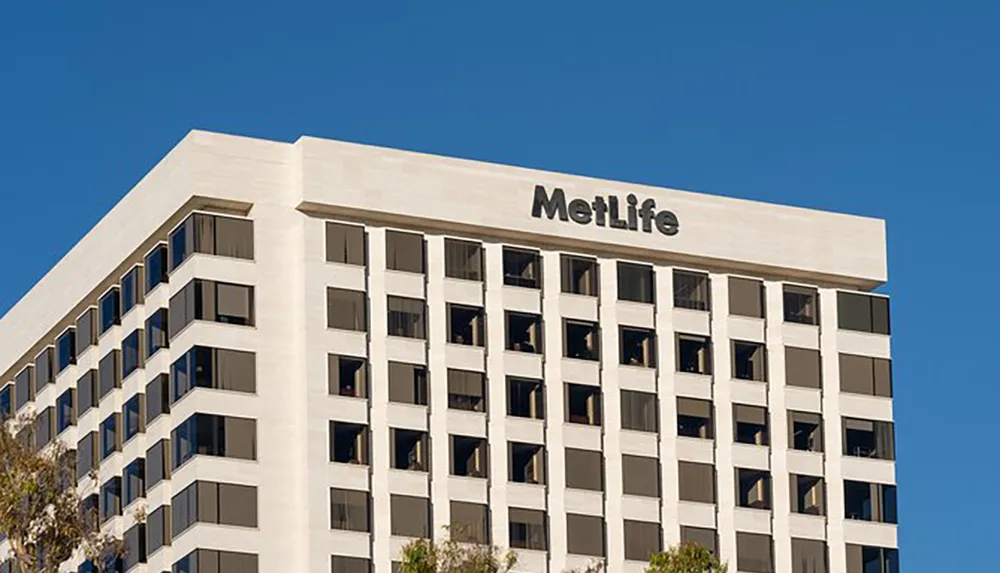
[604,212]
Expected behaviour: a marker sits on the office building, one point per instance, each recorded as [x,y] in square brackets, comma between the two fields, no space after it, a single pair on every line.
[301,356]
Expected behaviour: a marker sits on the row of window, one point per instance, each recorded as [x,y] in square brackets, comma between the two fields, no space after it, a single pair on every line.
[579,275]
[199,233]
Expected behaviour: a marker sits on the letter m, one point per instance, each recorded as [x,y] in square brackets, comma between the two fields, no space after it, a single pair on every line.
[556,204]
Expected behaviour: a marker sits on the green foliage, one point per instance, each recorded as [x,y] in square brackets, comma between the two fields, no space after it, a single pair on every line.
[40,511]
[449,555]
[686,558]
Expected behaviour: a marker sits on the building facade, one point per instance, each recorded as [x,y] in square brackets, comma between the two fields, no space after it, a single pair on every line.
[299,357]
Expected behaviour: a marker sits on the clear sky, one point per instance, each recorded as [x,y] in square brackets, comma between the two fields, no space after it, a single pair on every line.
[887,109]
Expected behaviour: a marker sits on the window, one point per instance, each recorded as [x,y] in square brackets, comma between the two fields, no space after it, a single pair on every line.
[866,375]
[641,476]
[522,268]
[579,275]
[110,310]
[109,373]
[86,455]
[468,457]
[347,376]
[463,260]
[346,310]
[863,313]
[410,516]
[636,283]
[808,494]
[691,291]
[86,330]
[638,346]
[524,332]
[801,304]
[869,439]
[694,419]
[584,469]
[583,404]
[350,510]
[134,417]
[407,383]
[581,340]
[869,501]
[349,443]
[696,482]
[694,354]
[111,499]
[132,354]
[342,564]
[867,559]
[134,547]
[639,411]
[749,361]
[466,390]
[44,428]
[156,332]
[214,435]
[157,397]
[44,369]
[24,387]
[131,289]
[470,522]
[527,463]
[753,488]
[134,481]
[158,529]
[87,392]
[803,367]
[409,450]
[156,268]
[805,431]
[525,398]
[585,535]
[345,244]
[213,368]
[65,410]
[215,503]
[65,350]
[111,437]
[754,553]
[157,463]
[211,235]
[211,301]
[746,297]
[750,425]
[528,529]
[809,556]
[406,317]
[706,538]
[466,325]
[642,539]
[6,401]
[404,252]
[212,561]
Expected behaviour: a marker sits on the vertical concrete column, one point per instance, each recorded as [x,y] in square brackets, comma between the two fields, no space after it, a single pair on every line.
[496,394]
[378,360]
[554,409]
[611,429]
[722,395]
[437,376]
[780,484]
[832,433]
[666,365]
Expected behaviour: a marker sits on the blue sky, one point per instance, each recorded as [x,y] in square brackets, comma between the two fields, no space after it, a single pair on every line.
[887,109]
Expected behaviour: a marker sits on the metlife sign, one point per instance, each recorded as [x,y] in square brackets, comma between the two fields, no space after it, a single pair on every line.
[604,212]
